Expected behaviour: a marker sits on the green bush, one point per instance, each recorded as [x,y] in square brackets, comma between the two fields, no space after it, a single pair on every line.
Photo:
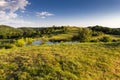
[106,39]
[6,46]
[44,40]
[84,35]
[116,40]
[94,40]
[20,42]
[28,40]
[95,33]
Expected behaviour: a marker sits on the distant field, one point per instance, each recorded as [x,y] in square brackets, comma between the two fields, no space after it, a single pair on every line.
[73,31]
[78,61]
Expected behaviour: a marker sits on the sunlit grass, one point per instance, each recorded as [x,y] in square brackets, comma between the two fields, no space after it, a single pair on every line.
[78,61]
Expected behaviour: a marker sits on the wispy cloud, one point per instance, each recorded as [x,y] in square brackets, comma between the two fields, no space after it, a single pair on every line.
[18,23]
[8,9]
[44,14]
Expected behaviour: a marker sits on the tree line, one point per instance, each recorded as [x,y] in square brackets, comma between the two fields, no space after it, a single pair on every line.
[8,32]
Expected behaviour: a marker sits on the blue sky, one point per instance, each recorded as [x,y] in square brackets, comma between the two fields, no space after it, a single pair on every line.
[60,12]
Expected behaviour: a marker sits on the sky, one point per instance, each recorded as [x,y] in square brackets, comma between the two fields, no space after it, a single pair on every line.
[45,13]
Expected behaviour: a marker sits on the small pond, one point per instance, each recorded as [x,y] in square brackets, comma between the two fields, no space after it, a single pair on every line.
[38,42]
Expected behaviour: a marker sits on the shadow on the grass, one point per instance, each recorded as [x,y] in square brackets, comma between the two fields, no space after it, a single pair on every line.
[115,44]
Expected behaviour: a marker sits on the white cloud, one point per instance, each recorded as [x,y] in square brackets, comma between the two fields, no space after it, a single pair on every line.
[6,16]
[44,14]
[8,9]
[13,5]
[18,23]
[2,3]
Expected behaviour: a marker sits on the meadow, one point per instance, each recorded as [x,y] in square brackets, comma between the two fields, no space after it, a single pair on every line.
[78,61]
[66,53]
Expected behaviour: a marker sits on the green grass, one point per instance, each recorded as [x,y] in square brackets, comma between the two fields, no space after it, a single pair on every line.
[78,61]
[73,31]
[67,36]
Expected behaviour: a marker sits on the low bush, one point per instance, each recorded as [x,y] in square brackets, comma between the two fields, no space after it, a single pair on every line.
[84,35]
[95,33]
[20,42]
[106,39]
[94,40]
[28,41]
[6,46]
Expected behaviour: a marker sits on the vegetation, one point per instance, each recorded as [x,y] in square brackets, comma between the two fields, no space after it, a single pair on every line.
[105,39]
[78,61]
[7,32]
[20,42]
[72,61]
[60,33]
[13,36]
[115,31]
[84,35]
[28,41]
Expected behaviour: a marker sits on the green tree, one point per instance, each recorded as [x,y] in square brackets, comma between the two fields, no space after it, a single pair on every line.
[84,35]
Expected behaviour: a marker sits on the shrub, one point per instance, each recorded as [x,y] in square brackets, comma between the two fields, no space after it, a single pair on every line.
[6,46]
[116,40]
[106,39]
[95,33]
[94,40]
[20,42]
[84,35]
[44,40]
[28,40]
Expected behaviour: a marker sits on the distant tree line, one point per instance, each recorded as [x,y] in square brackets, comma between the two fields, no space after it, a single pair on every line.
[84,34]
[7,32]
[106,30]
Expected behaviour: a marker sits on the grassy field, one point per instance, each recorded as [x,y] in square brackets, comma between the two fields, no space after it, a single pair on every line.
[78,61]
[73,31]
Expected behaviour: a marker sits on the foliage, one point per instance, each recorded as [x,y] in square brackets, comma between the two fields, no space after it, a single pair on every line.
[84,35]
[59,33]
[28,41]
[106,39]
[28,31]
[95,40]
[7,46]
[95,33]
[85,61]
[106,30]
[20,42]
[7,32]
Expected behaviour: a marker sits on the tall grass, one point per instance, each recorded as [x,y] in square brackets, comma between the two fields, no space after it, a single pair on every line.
[86,61]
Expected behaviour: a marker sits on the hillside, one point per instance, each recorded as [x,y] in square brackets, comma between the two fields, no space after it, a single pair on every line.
[78,61]
[62,33]
[7,32]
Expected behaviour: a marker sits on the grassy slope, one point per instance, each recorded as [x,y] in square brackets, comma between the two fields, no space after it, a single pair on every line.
[72,31]
[80,61]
